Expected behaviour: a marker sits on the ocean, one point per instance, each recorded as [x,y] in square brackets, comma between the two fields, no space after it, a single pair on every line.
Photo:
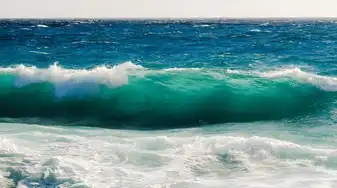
[168,103]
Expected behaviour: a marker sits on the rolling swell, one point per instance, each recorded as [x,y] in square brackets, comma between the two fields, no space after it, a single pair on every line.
[128,95]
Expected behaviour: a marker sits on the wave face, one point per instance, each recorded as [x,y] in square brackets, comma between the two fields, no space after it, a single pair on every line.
[128,94]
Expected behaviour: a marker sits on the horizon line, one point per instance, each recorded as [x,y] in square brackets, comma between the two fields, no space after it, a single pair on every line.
[171,18]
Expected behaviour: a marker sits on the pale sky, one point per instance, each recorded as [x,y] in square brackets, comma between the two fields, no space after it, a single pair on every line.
[166,8]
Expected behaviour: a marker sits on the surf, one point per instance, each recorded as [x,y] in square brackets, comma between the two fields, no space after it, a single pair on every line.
[129,95]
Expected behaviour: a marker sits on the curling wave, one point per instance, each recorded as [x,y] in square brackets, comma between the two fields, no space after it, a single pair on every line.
[129,94]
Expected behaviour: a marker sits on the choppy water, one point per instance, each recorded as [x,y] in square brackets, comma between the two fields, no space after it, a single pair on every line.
[168,103]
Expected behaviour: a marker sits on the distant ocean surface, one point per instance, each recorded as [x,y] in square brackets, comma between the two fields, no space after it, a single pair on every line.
[168,104]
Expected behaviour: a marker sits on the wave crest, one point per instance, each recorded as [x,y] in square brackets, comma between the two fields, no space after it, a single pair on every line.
[66,80]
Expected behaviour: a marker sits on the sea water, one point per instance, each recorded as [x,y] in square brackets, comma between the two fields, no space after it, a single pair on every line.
[154,103]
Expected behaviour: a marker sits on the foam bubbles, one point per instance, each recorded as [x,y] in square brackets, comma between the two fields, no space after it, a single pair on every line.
[70,80]
[187,158]
[324,82]
[42,26]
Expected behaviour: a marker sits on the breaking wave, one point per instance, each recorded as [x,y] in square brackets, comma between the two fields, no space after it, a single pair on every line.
[131,95]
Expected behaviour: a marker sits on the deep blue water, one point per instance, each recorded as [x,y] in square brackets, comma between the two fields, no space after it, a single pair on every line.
[167,44]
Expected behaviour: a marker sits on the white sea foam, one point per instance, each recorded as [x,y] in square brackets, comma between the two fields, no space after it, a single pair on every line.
[202,25]
[26,29]
[70,80]
[231,71]
[259,31]
[42,26]
[186,158]
[112,76]
[324,82]
[39,52]
[255,30]
[328,83]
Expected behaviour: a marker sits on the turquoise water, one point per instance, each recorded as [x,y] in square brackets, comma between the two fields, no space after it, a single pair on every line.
[207,103]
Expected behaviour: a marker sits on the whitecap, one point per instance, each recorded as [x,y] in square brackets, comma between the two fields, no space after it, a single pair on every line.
[324,82]
[72,80]
[255,30]
[42,26]
[39,52]
[202,25]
